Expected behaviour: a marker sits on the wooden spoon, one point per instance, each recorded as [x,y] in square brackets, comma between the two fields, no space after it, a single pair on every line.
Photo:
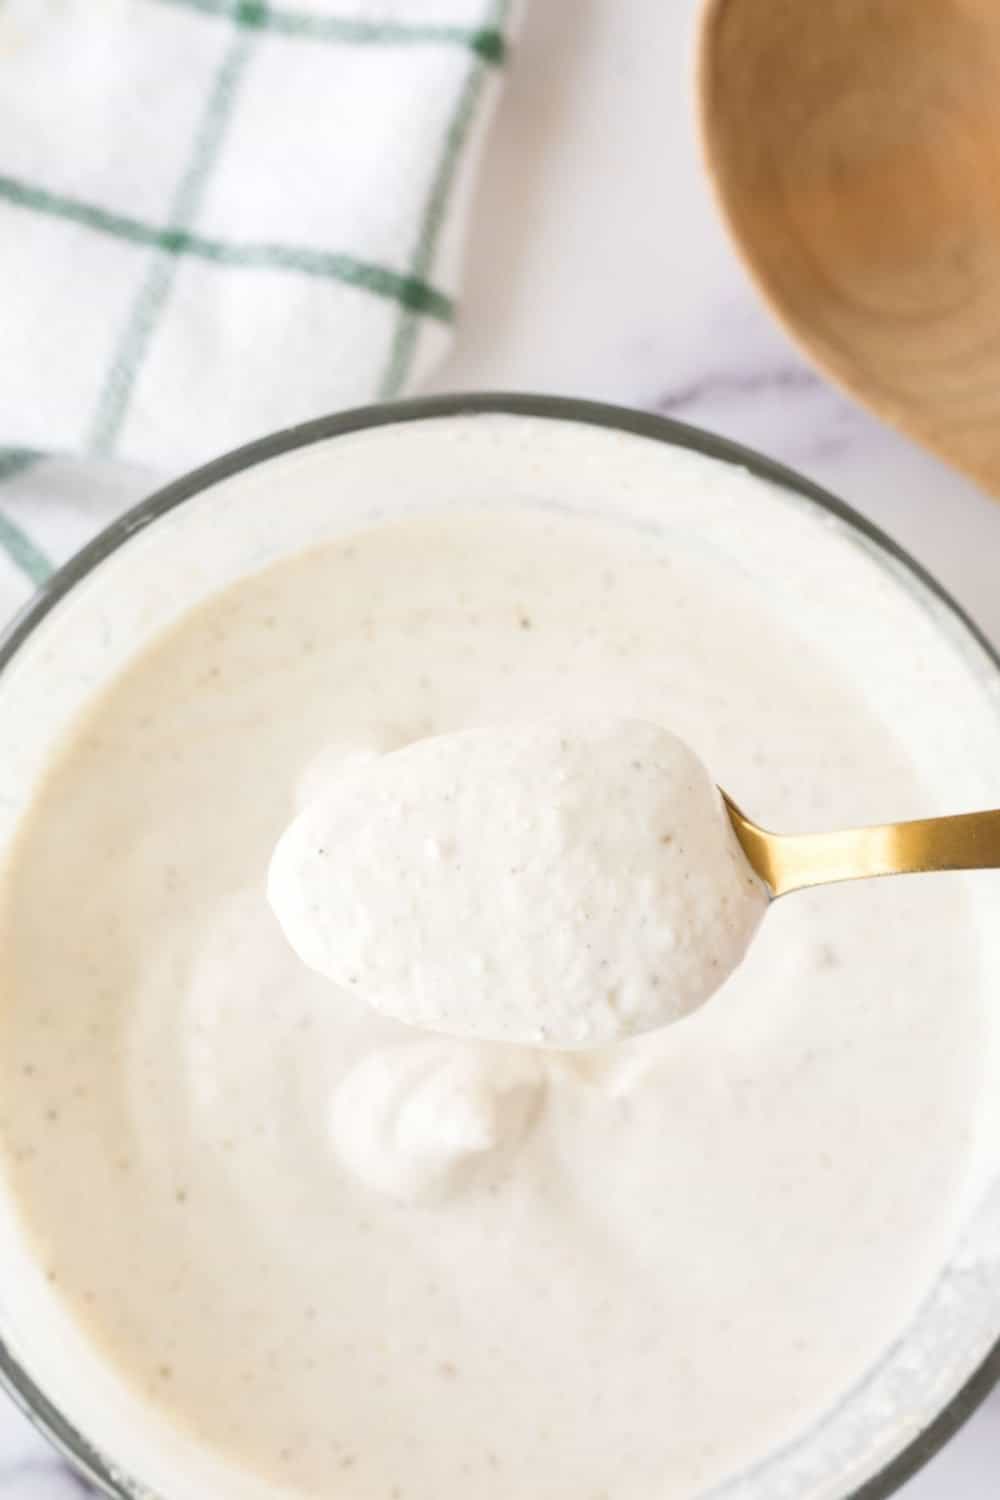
[855,149]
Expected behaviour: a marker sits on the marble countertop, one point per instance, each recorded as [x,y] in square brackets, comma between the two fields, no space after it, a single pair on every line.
[598,267]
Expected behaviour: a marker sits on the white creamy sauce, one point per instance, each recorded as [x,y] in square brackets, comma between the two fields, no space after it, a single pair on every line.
[355,1262]
[560,885]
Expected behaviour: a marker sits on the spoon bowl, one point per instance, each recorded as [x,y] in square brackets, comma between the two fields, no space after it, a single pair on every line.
[855,150]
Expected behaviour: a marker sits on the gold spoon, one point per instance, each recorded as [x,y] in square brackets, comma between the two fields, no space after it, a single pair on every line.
[855,149]
[792,862]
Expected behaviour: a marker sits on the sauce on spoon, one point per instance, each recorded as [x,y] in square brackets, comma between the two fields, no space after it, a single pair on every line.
[561,885]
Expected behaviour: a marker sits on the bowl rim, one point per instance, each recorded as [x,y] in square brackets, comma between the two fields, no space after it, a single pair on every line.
[13,1378]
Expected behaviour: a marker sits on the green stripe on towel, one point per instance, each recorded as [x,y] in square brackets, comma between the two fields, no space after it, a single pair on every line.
[487,42]
[416,295]
[404,338]
[22,552]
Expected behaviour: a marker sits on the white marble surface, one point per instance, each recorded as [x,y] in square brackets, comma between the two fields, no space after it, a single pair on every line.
[598,268]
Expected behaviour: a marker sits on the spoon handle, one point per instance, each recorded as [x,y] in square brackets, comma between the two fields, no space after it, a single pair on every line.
[791,862]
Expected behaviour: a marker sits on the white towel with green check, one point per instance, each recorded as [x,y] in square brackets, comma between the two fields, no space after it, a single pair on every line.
[218,218]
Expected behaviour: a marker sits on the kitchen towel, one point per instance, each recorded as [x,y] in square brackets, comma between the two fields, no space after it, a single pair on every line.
[218,218]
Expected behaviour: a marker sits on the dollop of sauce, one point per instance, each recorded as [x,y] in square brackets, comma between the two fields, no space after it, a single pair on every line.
[557,885]
[422,1120]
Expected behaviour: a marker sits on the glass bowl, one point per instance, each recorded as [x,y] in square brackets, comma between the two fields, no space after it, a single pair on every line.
[905,1409]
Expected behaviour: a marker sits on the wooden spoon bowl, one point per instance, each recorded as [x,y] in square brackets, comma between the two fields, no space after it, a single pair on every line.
[855,149]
